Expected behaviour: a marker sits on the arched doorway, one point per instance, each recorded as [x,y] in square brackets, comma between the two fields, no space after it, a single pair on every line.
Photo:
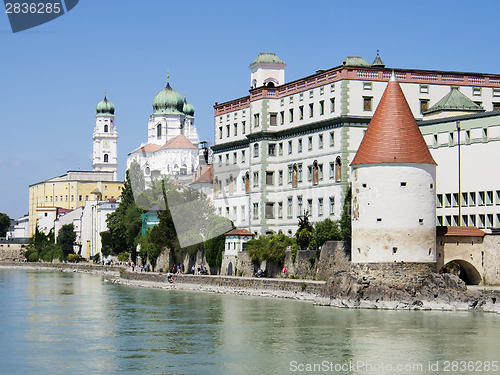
[230,269]
[463,269]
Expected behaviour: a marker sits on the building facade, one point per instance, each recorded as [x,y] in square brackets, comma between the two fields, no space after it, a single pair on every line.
[74,188]
[284,150]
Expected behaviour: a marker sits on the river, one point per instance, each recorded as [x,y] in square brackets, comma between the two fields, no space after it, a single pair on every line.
[72,323]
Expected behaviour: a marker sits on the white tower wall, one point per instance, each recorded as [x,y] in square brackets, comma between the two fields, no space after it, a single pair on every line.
[105,139]
[393,213]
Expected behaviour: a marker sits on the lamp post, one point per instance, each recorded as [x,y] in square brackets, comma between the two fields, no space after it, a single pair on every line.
[459,178]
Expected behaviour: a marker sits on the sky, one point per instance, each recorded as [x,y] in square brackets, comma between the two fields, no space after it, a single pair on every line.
[53,76]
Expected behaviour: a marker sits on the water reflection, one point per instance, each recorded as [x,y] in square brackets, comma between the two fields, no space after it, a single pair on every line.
[54,322]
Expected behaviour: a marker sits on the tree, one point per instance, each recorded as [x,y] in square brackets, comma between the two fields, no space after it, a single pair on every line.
[216,241]
[345,219]
[124,224]
[66,239]
[326,230]
[4,224]
[304,234]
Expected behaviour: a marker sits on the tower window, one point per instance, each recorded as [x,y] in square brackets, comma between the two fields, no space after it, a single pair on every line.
[105,128]
[158,131]
[106,158]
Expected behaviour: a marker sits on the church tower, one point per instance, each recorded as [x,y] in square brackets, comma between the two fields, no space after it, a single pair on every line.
[105,155]
[393,188]
[267,70]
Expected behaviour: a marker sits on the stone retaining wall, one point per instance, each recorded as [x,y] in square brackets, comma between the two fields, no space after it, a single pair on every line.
[315,288]
[394,274]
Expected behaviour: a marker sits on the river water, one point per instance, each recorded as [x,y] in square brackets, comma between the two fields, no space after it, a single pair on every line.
[71,323]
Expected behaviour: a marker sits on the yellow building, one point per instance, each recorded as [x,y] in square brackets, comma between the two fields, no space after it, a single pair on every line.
[71,191]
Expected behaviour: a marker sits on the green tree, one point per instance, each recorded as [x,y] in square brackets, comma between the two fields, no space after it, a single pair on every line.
[216,241]
[66,239]
[124,224]
[4,224]
[304,234]
[345,219]
[326,230]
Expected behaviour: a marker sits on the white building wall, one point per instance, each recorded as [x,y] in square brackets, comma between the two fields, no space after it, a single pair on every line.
[393,213]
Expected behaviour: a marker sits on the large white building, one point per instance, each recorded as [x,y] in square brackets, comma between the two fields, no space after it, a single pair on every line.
[172,146]
[285,148]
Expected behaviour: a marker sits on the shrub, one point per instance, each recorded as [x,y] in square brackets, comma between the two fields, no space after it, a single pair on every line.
[74,257]
[33,257]
[124,257]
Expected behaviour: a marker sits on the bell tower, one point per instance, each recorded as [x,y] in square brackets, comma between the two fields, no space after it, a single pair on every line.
[105,153]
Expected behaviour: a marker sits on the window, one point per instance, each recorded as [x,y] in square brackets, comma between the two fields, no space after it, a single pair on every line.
[489,220]
[269,210]
[465,200]
[280,148]
[465,221]
[309,143]
[309,206]
[451,139]
[243,127]
[485,134]
[231,185]
[255,179]
[243,156]
[315,169]
[481,220]
[489,198]
[435,140]
[295,176]
[290,149]
[299,145]
[272,149]
[320,172]
[255,211]
[497,197]
[280,210]
[439,200]
[332,87]
[291,114]
[227,159]
[106,158]
[467,136]
[235,129]
[455,199]
[291,99]
[256,150]
[332,105]
[320,206]
[280,177]
[496,106]
[158,131]
[472,220]
[322,107]
[273,119]
[256,120]
[301,112]
[332,139]
[228,133]
[424,105]
[309,172]
[299,205]
[235,158]
[105,128]
[424,89]
[269,178]
[332,206]
[476,91]
[282,117]
[320,141]
[311,109]
[247,182]
[301,96]
[338,169]
[322,90]
[367,103]
[332,170]
[282,102]
[367,85]
[311,94]
[299,172]
[290,174]
[289,207]
[220,131]
[480,200]
[243,217]
[447,200]
[472,199]
[79,198]
[496,92]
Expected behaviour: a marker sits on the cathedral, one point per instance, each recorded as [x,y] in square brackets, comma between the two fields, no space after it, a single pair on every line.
[172,146]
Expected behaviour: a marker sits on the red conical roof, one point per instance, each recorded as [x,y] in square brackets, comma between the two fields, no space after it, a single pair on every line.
[393,135]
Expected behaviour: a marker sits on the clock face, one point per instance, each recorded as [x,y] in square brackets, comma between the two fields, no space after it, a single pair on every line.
[106,144]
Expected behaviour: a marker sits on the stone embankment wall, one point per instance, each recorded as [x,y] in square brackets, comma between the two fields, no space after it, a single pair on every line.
[9,251]
[313,288]
[77,267]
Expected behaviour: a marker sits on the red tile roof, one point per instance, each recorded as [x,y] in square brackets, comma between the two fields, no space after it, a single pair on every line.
[239,232]
[393,135]
[206,176]
[459,232]
[150,147]
[179,142]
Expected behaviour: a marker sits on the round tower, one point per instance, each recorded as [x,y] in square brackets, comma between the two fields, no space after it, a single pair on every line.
[393,188]
[105,137]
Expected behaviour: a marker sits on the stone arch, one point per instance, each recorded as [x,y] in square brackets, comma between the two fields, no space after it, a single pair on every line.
[467,272]
[271,82]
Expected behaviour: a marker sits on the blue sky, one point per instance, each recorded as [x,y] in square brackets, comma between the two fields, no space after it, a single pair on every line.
[52,76]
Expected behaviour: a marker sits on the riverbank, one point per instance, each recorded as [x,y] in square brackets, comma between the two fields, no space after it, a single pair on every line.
[440,292]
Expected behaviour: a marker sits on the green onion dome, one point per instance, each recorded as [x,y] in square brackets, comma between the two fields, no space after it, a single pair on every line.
[105,108]
[188,108]
[168,102]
